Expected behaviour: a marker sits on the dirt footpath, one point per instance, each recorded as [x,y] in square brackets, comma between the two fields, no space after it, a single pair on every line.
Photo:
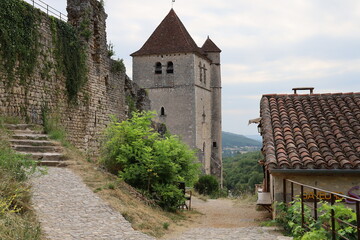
[227,213]
[225,219]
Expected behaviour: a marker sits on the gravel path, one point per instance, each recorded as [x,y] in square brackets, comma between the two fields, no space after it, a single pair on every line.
[69,210]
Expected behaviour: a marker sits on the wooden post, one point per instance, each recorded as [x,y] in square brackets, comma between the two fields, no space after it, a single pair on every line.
[284,190]
[333,236]
[302,207]
[315,205]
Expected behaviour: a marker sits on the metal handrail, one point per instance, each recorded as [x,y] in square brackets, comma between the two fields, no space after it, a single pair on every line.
[50,11]
[315,208]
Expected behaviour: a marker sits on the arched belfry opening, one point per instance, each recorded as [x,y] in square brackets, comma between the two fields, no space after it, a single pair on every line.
[158,68]
[162,111]
[170,67]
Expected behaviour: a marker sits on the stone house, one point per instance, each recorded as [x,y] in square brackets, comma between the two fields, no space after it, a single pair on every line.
[313,139]
[183,82]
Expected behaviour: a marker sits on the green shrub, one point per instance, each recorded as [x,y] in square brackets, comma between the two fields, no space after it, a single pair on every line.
[148,161]
[168,196]
[18,165]
[207,185]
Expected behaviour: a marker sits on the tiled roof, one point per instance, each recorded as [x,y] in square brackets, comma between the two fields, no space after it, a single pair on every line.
[169,37]
[210,46]
[312,131]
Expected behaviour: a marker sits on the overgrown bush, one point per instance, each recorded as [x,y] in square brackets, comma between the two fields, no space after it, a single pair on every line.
[147,160]
[207,185]
[290,218]
[118,66]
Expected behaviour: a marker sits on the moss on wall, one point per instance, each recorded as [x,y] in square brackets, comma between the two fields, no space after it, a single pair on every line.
[19,47]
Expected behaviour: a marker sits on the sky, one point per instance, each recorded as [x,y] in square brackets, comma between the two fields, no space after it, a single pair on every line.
[268,46]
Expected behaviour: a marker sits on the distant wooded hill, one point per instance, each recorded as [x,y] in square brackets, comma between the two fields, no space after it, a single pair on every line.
[230,140]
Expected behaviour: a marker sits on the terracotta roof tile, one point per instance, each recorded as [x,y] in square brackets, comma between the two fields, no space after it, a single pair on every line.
[320,131]
[169,37]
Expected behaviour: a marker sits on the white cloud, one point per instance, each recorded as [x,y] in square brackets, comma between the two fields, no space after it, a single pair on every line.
[286,69]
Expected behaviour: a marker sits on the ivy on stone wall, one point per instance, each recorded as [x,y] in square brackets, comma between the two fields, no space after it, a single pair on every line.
[19,46]
[70,56]
[18,39]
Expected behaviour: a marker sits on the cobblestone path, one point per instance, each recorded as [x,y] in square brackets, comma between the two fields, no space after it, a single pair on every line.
[69,210]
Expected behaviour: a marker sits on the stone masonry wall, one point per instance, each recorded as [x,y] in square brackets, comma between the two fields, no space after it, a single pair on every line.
[103,95]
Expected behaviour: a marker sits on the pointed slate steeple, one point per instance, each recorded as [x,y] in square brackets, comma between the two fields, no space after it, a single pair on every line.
[169,37]
[210,46]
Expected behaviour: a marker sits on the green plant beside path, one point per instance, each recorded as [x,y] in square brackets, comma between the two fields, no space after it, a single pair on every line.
[16,218]
[149,161]
[290,218]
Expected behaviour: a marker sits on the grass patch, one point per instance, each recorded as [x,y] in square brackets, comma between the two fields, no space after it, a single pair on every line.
[17,220]
[53,127]
[166,225]
[269,223]
[8,120]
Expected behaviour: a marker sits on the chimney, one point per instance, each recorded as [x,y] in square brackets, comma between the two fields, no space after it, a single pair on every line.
[311,89]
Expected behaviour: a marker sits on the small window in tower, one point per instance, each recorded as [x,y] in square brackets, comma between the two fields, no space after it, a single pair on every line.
[158,68]
[162,111]
[201,74]
[204,147]
[214,144]
[204,74]
[170,67]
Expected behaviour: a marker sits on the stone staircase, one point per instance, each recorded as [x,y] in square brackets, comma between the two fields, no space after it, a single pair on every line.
[30,139]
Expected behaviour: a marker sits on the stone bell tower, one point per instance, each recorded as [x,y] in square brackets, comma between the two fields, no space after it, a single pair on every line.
[184,85]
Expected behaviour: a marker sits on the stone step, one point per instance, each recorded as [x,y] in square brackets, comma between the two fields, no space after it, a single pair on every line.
[52,163]
[33,142]
[29,139]
[21,126]
[28,131]
[32,149]
[45,156]
[26,136]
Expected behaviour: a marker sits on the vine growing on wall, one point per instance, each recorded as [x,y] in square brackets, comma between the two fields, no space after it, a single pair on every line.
[18,39]
[70,56]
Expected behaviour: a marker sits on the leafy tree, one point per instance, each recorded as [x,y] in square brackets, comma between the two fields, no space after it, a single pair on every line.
[149,161]
[242,172]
